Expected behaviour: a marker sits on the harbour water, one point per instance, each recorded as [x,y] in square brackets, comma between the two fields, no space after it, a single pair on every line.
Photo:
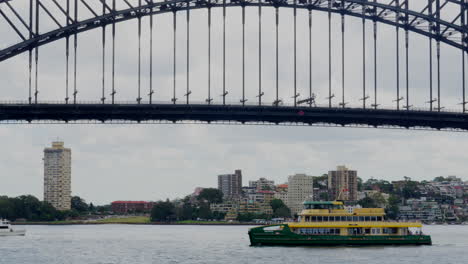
[106,244]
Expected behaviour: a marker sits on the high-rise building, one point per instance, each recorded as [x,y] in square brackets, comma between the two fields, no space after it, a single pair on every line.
[231,184]
[300,188]
[57,176]
[262,184]
[343,184]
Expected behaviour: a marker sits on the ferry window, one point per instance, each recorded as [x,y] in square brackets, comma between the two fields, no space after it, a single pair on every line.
[374,218]
[379,218]
[314,219]
[307,219]
[343,218]
[325,218]
[349,218]
[355,218]
[319,219]
[367,218]
[361,218]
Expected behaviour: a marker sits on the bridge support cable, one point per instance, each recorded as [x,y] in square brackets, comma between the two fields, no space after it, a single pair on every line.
[151,91]
[407,56]
[260,93]
[463,52]
[139,55]
[296,95]
[174,54]
[343,103]
[209,99]
[36,57]
[277,101]
[364,96]
[67,53]
[243,56]
[438,54]
[224,53]
[310,57]
[113,55]
[431,78]
[329,56]
[75,57]
[375,105]
[103,98]
[187,94]
[397,29]
[30,50]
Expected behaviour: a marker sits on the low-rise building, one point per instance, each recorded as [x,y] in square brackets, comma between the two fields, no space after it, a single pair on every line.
[125,207]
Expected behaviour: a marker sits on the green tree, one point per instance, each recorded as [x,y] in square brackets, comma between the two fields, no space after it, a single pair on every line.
[7,209]
[282,212]
[163,211]
[211,195]
[277,203]
[204,211]
[79,204]
[279,208]
[320,182]
[367,202]
[393,210]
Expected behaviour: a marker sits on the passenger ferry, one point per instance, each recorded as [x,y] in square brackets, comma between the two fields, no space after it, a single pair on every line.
[7,230]
[330,224]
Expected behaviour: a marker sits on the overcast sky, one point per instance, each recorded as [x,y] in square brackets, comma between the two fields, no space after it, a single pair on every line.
[155,161]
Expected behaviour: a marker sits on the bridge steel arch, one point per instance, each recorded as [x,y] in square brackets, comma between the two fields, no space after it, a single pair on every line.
[429,25]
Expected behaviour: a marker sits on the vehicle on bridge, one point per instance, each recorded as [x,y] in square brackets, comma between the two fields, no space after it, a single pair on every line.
[329,224]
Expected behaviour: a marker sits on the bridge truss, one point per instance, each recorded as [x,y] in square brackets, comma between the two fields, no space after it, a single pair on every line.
[440,21]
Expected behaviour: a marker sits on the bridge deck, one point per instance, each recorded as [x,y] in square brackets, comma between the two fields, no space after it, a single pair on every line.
[237,113]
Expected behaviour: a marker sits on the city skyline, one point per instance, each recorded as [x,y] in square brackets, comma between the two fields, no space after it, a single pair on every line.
[99,163]
[151,162]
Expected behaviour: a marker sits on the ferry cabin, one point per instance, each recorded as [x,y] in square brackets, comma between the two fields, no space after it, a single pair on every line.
[331,218]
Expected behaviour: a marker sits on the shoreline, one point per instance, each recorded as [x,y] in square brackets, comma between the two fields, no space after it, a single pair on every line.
[129,223]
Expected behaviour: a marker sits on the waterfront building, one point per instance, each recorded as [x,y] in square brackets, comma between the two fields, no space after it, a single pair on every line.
[125,207]
[343,181]
[300,189]
[282,193]
[231,184]
[231,206]
[57,176]
[253,207]
[262,184]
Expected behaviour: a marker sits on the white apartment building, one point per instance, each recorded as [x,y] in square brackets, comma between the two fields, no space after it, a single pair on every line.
[300,188]
[57,176]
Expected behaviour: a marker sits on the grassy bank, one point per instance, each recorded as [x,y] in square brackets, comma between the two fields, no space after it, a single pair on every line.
[124,220]
[136,220]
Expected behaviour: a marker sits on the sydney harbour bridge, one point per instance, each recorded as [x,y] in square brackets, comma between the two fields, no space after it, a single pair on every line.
[31,25]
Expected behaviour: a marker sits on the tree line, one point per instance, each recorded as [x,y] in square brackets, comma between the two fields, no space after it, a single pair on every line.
[29,208]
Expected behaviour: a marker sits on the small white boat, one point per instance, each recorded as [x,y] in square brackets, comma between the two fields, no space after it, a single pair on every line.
[7,230]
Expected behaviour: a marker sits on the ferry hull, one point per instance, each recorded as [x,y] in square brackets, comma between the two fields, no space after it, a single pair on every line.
[288,238]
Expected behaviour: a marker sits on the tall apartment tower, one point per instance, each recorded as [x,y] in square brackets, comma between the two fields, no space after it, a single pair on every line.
[300,189]
[231,184]
[57,176]
[343,181]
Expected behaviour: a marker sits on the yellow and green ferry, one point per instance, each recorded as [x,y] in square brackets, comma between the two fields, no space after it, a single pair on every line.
[330,224]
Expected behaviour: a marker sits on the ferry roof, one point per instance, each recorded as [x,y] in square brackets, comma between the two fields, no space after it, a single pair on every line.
[323,202]
[352,224]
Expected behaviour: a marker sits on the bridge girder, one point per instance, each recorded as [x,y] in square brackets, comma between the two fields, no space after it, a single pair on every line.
[233,113]
[429,25]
